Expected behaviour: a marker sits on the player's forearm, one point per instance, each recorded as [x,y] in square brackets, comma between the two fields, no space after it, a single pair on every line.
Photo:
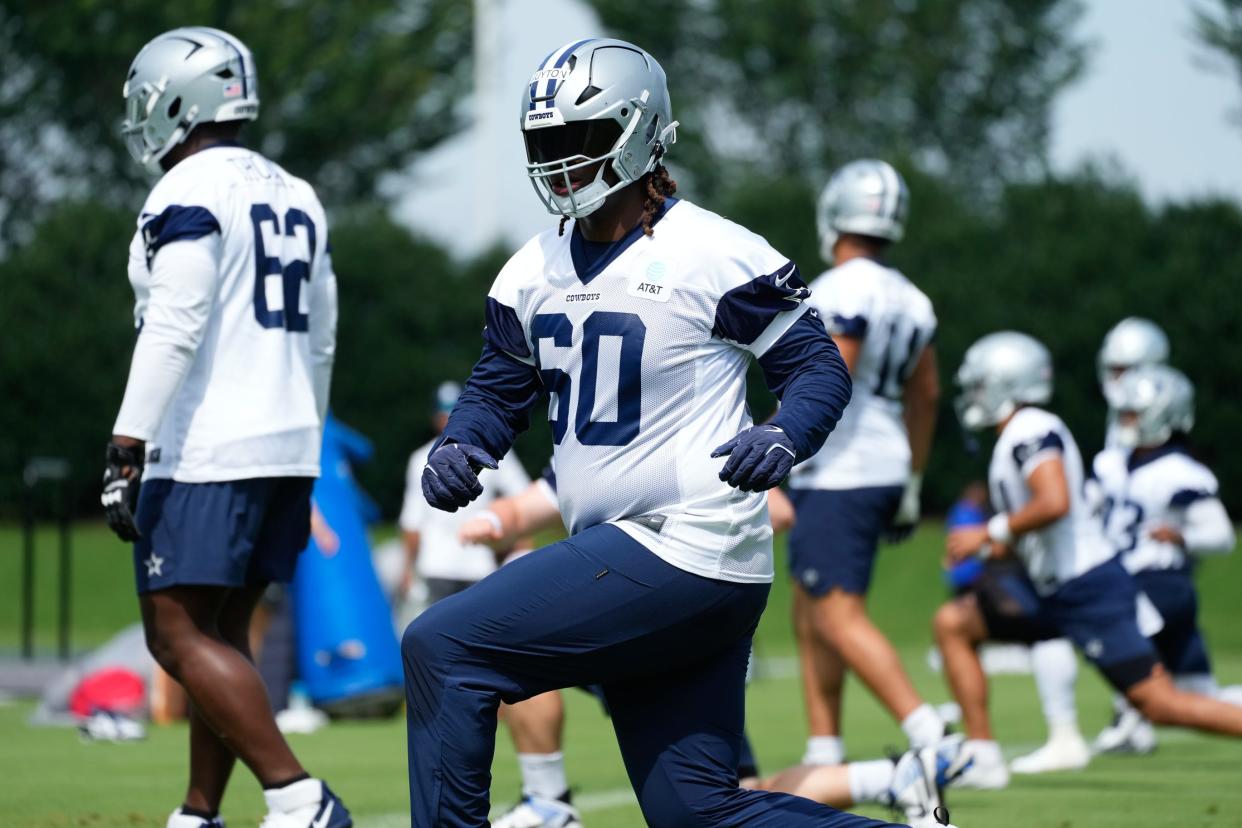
[495,405]
[156,372]
[1206,528]
[805,371]
[922,398]
[323,312]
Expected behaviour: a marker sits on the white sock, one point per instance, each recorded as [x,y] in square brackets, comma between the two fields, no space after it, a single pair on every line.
[1056,669]
[305,793]
[1202,683]
[543,775]
[984,751]
[870,781]
[1231,694]
[824,750]
[923,727]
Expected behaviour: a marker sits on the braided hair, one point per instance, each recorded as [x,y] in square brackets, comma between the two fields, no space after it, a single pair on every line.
[659,185]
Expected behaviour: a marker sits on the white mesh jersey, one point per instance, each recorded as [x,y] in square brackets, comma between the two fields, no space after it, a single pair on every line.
[895,322]
[440,554]
[247,406]
[1070,546]
[1147,495]
[646,366]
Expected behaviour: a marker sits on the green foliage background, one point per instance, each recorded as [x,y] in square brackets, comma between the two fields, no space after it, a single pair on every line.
[353,90]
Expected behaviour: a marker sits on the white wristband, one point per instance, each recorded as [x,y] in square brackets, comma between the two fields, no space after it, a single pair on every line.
[494,519]
[998,528]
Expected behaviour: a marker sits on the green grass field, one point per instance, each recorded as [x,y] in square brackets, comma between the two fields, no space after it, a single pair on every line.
[49,778]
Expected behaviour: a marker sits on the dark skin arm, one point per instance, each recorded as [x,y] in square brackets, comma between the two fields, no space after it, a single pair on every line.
[921,396]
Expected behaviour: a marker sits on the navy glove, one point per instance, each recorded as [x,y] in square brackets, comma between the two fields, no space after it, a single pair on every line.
[759,458]
[451,478]
[121,481]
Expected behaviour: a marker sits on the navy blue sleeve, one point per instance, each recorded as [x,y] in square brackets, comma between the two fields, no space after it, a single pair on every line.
[504,329]
[744,313]
[177,223]
[494,408]
[1183,498]
[805,371]
[852,326]
[1025,451]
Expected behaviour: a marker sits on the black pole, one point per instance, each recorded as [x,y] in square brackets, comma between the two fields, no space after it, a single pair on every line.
[66,571]
[28,565]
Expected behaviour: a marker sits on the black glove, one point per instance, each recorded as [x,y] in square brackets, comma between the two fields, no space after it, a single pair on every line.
[121,481]
[759,458]
[451,477]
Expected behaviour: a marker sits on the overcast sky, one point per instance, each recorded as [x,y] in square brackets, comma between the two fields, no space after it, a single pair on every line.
[1147,101]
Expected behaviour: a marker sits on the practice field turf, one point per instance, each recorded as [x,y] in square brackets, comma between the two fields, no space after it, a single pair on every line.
[49,778]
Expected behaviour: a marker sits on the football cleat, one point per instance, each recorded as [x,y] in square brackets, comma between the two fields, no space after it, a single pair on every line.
[973,763]
[305,804]
[106,726]
[1129,733]
[179,820]
[1065,752]
[536,812]
[915,790]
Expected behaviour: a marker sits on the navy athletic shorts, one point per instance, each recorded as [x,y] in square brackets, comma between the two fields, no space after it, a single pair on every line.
[834,542]
[237,533]
[1097,611]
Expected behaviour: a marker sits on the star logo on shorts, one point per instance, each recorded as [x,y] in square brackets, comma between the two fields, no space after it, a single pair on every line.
[1094,648]
[154,565]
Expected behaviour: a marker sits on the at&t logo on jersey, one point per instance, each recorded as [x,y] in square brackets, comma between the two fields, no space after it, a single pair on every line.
[653,284]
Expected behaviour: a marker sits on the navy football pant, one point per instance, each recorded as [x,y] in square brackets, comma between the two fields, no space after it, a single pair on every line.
[670,649]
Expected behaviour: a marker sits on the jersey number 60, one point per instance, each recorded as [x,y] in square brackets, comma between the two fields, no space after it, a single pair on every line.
[292,274]
[633,333]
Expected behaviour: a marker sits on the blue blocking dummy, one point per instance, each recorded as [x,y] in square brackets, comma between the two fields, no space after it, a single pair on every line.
[348,656]
[963,514]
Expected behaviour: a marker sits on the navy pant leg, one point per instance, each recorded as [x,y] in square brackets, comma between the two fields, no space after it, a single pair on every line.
[681,736]
[596,608]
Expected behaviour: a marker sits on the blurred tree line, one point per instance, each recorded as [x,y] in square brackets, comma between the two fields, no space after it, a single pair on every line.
[771,95]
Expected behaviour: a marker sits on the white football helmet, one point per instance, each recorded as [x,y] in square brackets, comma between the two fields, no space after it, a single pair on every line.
[1132,342]
[866,197]
[1162,402]
[594,102]
[1000,372]
[181,79]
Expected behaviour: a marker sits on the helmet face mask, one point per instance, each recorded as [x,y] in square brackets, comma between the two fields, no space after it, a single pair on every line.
[595,119]
[183,78]
[1154,403]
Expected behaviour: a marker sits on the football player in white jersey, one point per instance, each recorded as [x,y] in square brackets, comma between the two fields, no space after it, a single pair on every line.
[1131,343]
[1161,511]
[224,408]
[1077,586]
[640,323]
[864,484]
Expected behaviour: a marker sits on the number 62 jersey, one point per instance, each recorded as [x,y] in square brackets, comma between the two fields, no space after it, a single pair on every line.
[643,350]
[261,329]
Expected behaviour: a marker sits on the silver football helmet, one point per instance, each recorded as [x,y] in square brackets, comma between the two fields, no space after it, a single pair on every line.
[181,79]
[1153,402]
[1132,342]
[595,102]
[1000,372]
[866,197]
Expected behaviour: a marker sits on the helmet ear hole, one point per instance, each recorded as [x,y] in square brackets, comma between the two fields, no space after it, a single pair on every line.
[174,107]
[624,112]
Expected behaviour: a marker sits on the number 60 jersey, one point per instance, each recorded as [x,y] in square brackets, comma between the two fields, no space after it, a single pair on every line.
[261,333]
[894,321]
[644,351]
